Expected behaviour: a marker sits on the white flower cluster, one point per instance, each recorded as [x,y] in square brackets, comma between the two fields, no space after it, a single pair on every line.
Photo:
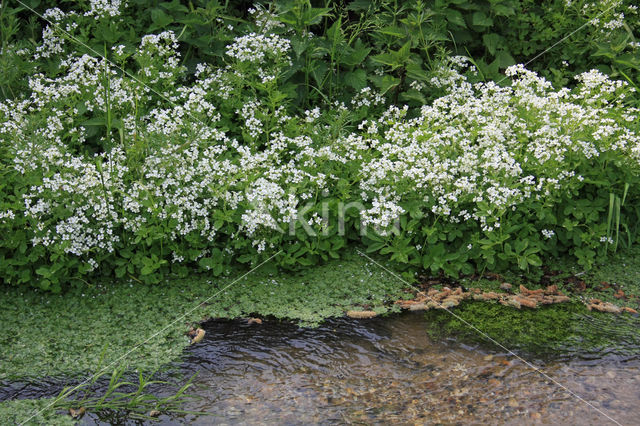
[159,56]
[312,115]
[9,214]
[547,233]
[367,97]
[264,19]
[383,213]
[164,44]
[258,48]
[82,189]
[607,16]
[105,8]
[52,44]
[472,155]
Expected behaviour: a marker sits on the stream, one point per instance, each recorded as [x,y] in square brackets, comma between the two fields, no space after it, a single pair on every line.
[387,370]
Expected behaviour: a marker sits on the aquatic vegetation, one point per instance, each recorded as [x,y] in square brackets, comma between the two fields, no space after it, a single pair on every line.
[567,329]
[57,336]
[122,395]
[143,144]
[20,410]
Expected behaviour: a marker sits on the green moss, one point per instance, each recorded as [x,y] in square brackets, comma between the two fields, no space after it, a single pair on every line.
[64,335]
[19,411]
[550,330]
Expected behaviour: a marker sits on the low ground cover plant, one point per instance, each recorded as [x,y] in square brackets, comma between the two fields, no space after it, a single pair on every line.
[147,165]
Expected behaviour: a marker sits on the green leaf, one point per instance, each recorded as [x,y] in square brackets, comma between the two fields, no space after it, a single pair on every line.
[314,15]
[504,59]
[357,55]
[416,72]
[479,19]
[44,271]
[393,31]
[335,34]
[384,59]
[455,17]
[413,95]
[299,45]
[174,6]
[375,247]
[388,82]
[160,19]
[503,10]
[534,260]
[356,79]
[491,42]
[98,121]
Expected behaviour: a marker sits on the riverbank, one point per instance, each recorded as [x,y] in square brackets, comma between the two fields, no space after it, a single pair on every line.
[64,336]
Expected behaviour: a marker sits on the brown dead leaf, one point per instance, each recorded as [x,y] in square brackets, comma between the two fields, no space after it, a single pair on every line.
[76,414]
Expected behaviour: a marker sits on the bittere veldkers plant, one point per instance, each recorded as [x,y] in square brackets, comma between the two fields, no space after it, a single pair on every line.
[154,173]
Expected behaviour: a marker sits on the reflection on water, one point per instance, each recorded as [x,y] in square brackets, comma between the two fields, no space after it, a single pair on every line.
[387,370]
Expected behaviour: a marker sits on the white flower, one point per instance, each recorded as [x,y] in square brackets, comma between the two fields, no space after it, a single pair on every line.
[547,233]
[105,8]
[257,48]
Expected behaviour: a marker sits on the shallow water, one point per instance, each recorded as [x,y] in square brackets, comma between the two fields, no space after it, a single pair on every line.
[387,370]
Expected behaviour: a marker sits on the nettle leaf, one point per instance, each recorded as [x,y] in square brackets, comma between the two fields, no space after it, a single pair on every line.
[503,10]
[413,95]
[299,45]
[480,19]
[174,6]
[416,72]
[357,55]
[492,41]
[504,59]
[384,59]
[335,33]
[97,121]
[392,30]
[455,17]
[318,71]
[160,19]
[359,5]
[386,82]
[314,15]
[356,79]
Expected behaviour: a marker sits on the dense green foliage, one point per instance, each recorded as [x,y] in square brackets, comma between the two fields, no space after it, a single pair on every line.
[551,331]
[221,134]
[351,39]
[53,335]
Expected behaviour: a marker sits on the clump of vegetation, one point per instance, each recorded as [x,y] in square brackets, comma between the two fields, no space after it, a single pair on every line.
[56,336]
[550,331]
[118,397]
[33,411]
[122,397]
[138,165]
[143,140]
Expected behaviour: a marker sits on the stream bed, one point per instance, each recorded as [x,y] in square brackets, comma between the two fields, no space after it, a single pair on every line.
[388,370]
[385,370]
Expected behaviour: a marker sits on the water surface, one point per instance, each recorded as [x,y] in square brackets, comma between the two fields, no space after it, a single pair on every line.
[387,370]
